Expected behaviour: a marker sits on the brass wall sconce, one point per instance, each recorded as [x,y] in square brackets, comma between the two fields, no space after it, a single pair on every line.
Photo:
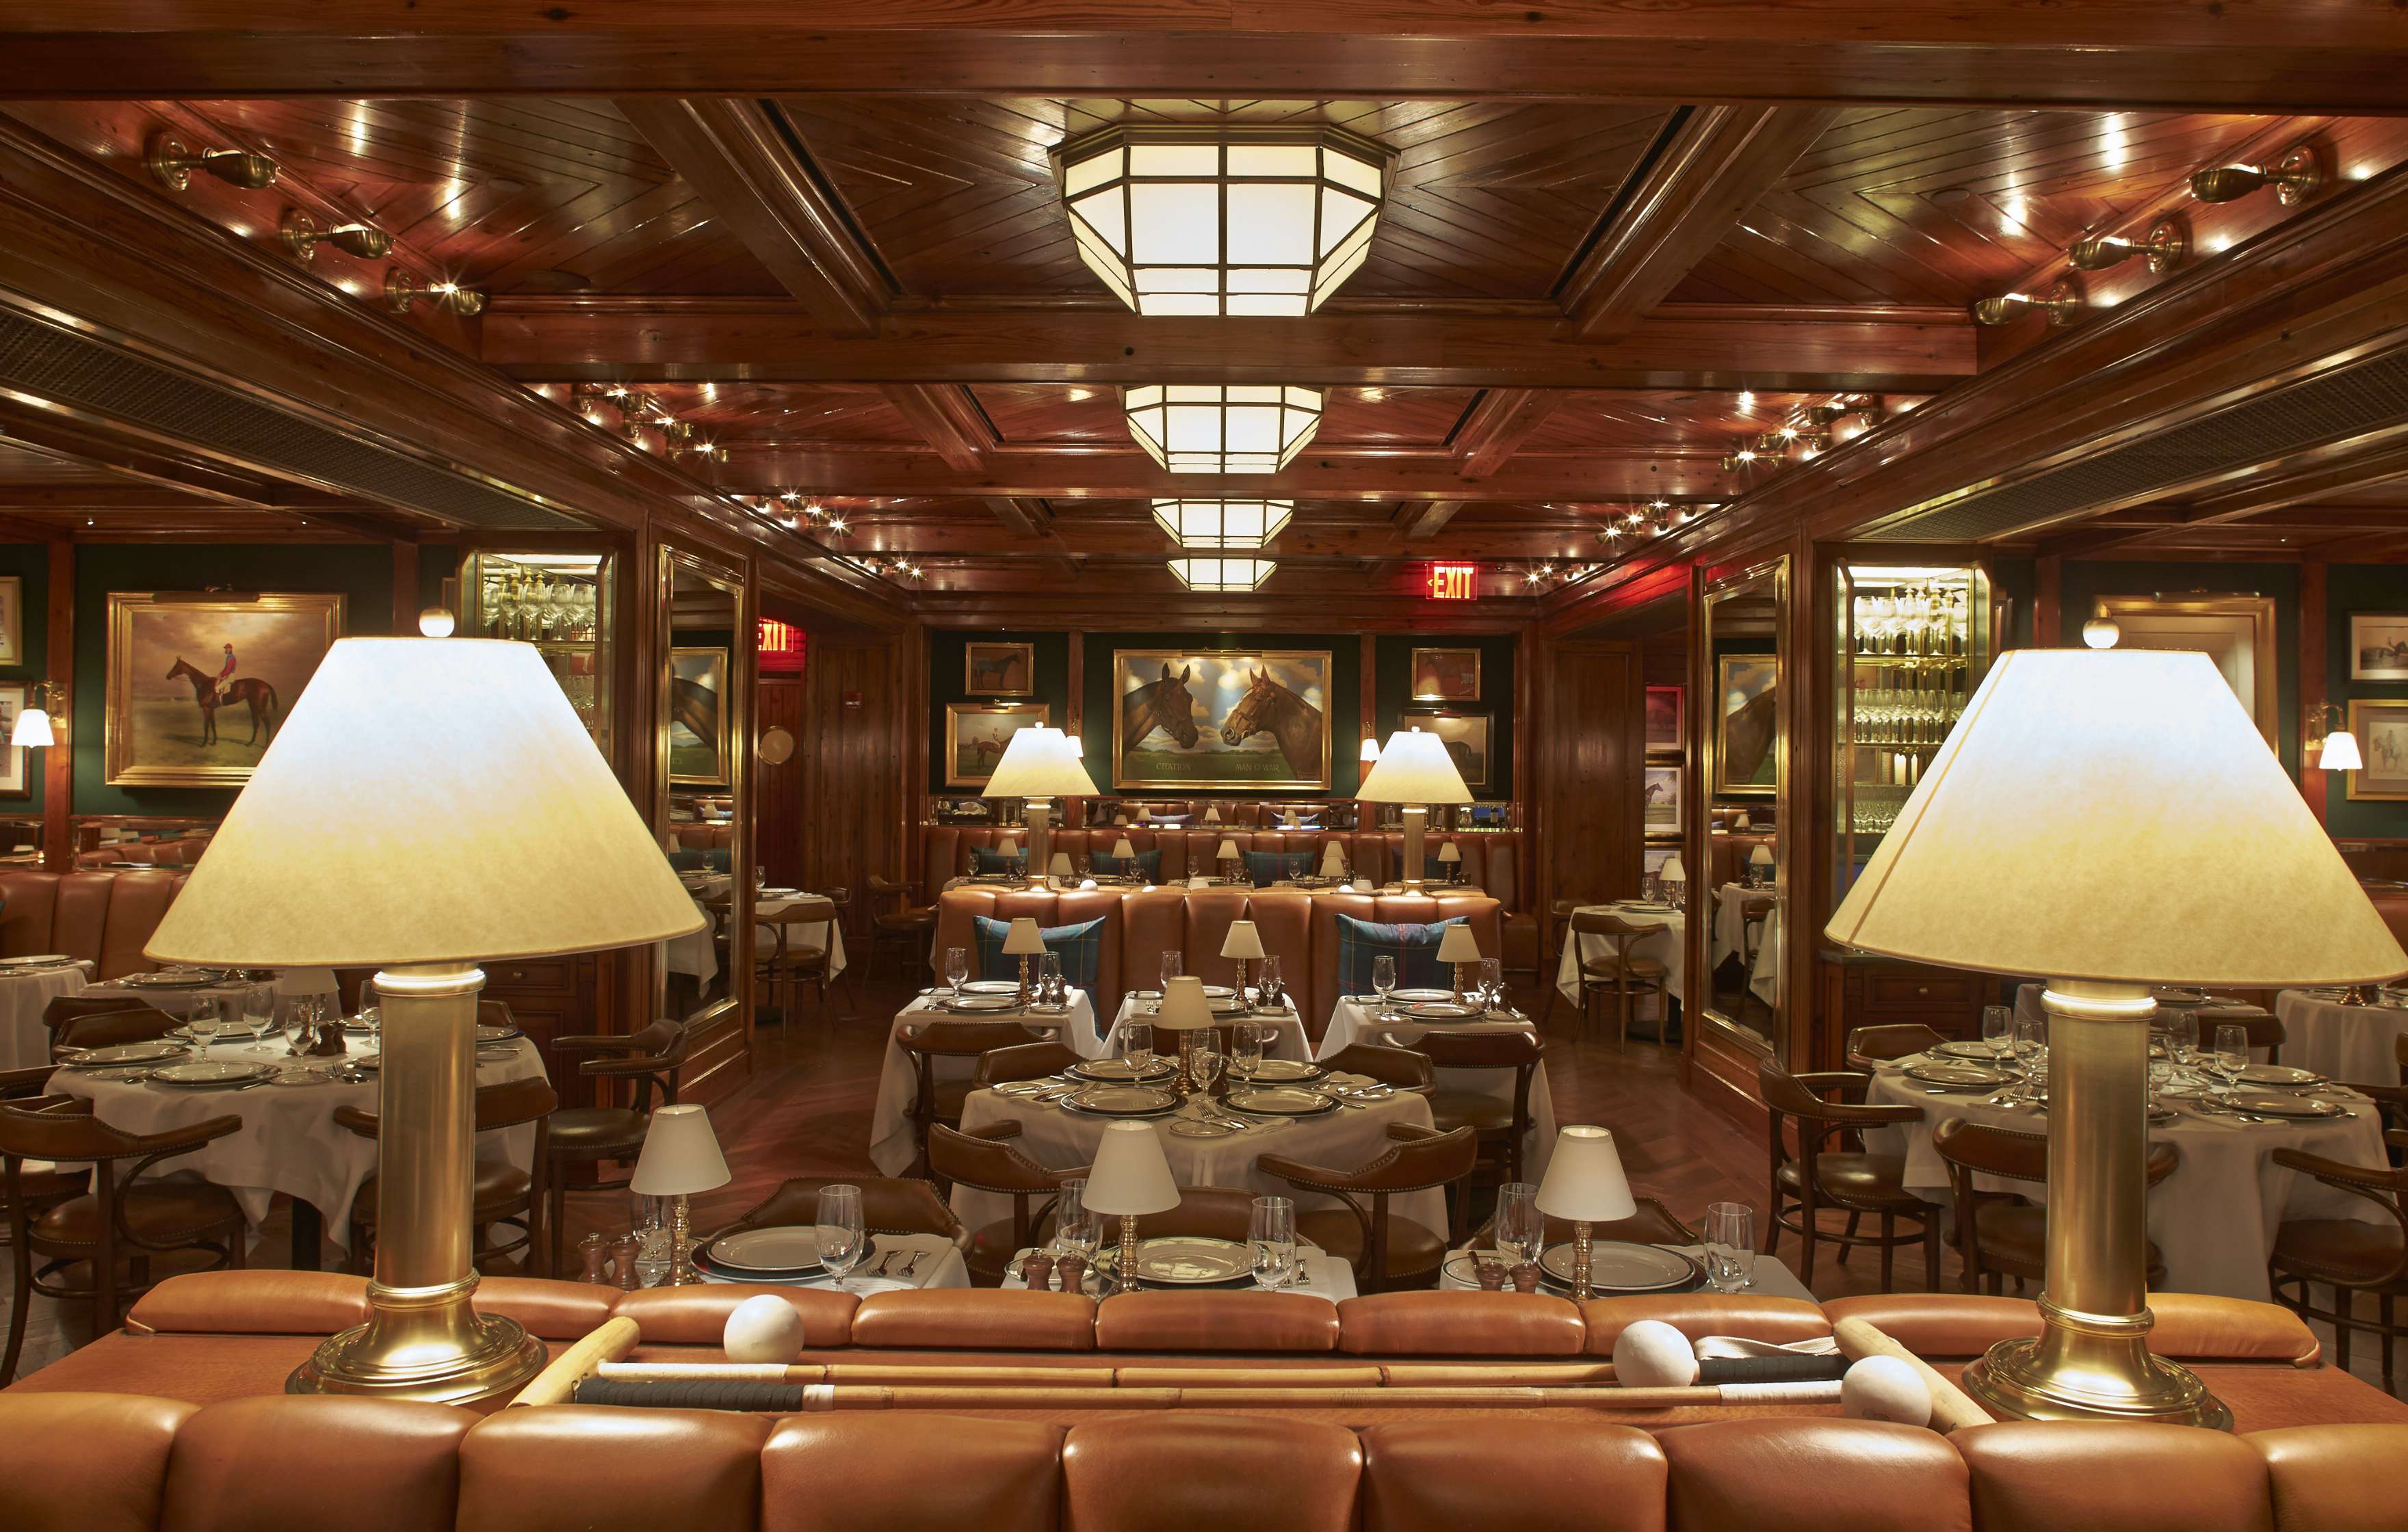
[2165,248]
[301,236]
[1734,462]
[707,452]
[2059,303]
[2295,177]
[172,162]
[401,290]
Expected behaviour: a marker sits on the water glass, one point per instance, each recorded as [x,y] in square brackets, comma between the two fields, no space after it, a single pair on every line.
[1492,982]
[1730,1246]
[1205,1060]
[1272,1233]
[1267,983]
[301,1014]
[1075,1230]
[2161,1074]
[1246,1051]
[2031,1052]
[205,1020]
[957,968]
[259,1016]
[2232,1055]
[1050,990]
[1172,966]
[1521,1228]
[841,1233]
[1137,1046]
[648,1219]
[2182,1037]
[1998,1030]
[1384,977]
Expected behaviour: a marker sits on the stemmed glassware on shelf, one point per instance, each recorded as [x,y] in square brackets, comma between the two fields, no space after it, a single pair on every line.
[841,1232]
[1271,1231]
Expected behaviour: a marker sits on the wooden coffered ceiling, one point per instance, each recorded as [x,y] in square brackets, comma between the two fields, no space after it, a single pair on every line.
[1620,244]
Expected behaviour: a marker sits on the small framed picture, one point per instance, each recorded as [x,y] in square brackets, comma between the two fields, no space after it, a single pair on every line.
[12,621]
[1662,814]
[2381,726]
[1446,675]
[999,669]
[13,780]
[2378,644]
[1466,737]
[977,733]
[1664,720]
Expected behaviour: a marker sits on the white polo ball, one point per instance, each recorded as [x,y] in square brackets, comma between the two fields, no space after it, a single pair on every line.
[1884,1388]
[762,1329]
[1649,1353]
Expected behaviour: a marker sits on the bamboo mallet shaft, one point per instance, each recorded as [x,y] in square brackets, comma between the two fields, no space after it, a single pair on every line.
[1952,1408]
[1360,1375]
[609,1342]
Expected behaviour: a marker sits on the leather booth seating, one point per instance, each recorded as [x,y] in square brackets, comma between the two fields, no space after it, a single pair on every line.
[102,915]
[2391,902]
[145,853]
[704,835]
[1300,929]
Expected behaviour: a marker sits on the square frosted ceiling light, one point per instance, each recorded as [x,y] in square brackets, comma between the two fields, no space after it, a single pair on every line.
[1223,221]
[1211,574]
[1221,428]
[1223,523]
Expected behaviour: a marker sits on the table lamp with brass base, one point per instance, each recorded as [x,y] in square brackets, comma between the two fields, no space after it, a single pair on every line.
[429,802]
[1040,765]
[1131,1177]
[1415,771]
[1585,1183]
[1458,949]
[2115,819]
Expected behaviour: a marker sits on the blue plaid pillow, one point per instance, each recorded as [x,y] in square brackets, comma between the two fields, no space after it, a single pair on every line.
[1269,867]
[983,861]
[699,859]
[1145,863]
[1076,946]
[1414,945]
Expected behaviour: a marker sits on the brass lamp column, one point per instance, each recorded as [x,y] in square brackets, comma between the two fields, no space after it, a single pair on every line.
[1414,769]
[1040,765]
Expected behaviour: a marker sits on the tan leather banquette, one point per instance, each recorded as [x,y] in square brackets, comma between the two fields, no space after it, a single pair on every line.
[1299,928]
[104,916]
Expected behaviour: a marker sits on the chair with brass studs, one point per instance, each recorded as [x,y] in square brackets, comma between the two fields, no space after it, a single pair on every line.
[585,1138]
[1386,1250]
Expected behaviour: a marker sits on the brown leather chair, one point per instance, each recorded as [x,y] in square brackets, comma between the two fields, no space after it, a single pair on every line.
[649,1061]
[1889,1040]
[2265,1032]
[1401,1068]
[985,1162]
[39,1186]
[1999,1234]
[1209,1212]
[934,1100]
[788,965]
[1385,1251]
[65,1008]
[138,1023]
[1022,1061]
[503,1193]
[1844,1177]
[121,1219]
[1502,1123]
[2349,1256]
[904,924]
[1619,973]
[889,1205]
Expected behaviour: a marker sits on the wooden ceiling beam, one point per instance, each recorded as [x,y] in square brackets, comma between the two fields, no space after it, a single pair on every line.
[2370,458]
[1131,476]
[1711,165]
[1024,517]
[753,173]
[37,425]
[1496,426]
[1422,520]
[2143,53]
[947,418]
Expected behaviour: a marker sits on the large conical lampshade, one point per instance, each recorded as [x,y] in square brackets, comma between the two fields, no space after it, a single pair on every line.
[1039,763]
[426,800]
[1414,767]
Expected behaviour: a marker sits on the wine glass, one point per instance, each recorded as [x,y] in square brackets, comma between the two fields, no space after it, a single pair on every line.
[841,1235]
[1171,969]
[1246,1051]
[205,1020]
[1137,1048]
[259,1016]
[300,1020]
[1998,1031]
[2232,1055]
[1267,983]
[1205,1061]
[1049,980]
[1492,982]
[2182,1037]
[1384,978]
[1730,1245]
[957,969]
[1521,1228]
[1271,1231]
[2031,1052]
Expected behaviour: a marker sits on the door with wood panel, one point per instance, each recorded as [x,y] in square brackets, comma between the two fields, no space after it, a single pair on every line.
[1589,808]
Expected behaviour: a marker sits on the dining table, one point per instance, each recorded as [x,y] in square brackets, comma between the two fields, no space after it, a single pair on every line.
[1730,936]
[893,1263]
[1361,1018]
[2213,1217]
[2342,1042]
[1662,945]
[696,953]
[1321,1275]
[1768,1276]
[180,992]
[25,993]
[893,1147]
[289,1140]
[1282,1029]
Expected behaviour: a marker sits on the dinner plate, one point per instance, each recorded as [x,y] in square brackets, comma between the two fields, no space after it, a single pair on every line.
[202,1073]
[1191,1127]
[1981,1052]
[1113,1072]
[1187,1260]
[174,979]
[2179,995]
[980,1004]
[1122,1101]
[44,960]
[486,1035]
[1286,1071]
[1410,996]
[2279,1074]
[992,986]
[1617,1268]
[128,1052]
[785,1250]
[1969,1077]
[1281,1101]
[2268,1104]
[1444,1010]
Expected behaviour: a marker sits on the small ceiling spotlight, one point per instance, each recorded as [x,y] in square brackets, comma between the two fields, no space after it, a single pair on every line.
[2295,177]
[2059,303]
[2165,248]
[301,236]
[1734,462]
[171,165]
[838,525]
[401,290]
[707,452]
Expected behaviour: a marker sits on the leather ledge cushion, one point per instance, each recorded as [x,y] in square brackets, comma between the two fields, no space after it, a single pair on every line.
[1221,1322]
[977,1319]
[2209,1328]
[698,1316]
[1699,1314]
[1556,1476]
[2336,1477]
[549,1310]
[1814,1474]
[294,1465]
[253,1303]
[95,1462]
[582,1467]
[1151,1473]
[2031,1475]
[1456,1323]
[1933,1326]
[912,1472]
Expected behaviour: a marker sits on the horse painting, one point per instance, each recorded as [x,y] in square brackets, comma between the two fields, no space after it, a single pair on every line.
[1165,704]
[250,690]
[1293,723]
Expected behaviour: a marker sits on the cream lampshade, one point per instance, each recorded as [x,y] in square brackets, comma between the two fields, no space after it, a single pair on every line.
[1184,1006]
[429,802]
[1333,861]
[1760,857]
[1060,866]
[680,1156]
[1450,856]
[1211,813]
[1131,1176]
[1243,941]
[1040,765]
[1458,945]
[1119,819]
[32,731]
[1415,771]
[1008,844]
[1673,872]
[1293,820]
[1370,751]
[1123,851]
[1023,939]
[2112,819]
[1585,1183]
[1225,852]
[1143,813]
[2339,752]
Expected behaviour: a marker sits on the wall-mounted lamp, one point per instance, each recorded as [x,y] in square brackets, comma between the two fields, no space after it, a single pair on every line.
[35,729]
[707,451]
[2337,750]
[301,237]
[172,164]
[401,290]
[2165,248]
[2059,303]
[2295,177]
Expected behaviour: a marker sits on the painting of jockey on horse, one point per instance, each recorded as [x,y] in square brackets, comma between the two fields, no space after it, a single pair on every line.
[976,734]
[197,688]
[1221,719]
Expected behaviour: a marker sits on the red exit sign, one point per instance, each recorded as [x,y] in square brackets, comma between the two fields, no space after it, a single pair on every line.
[1452,582]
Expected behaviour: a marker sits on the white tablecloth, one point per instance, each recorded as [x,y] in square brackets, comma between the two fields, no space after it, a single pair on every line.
[2354,1043]
[181,1002]
[1282,1029]
[2213,1219]
[1343,1140]
[25,1041]
[2215,1011]
[940,1264]
[1730,938]
[891,1148]
[1326,1277]
[1772,1279]
[1663,947]
[289,1141]
[1351,1021]
[696,953]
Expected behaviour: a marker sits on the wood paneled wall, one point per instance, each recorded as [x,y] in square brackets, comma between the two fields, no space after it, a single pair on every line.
[1593,734]
[777,790]
[849,808]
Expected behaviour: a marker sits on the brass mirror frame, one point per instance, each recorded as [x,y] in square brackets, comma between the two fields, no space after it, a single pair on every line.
[1707,714]
[737,729]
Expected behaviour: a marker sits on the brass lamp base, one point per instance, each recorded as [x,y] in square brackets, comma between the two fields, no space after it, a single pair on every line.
[2035,1377]
[426,1346]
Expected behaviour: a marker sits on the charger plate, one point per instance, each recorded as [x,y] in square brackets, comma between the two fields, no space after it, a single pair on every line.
[1281,1101]
[1287,1072]
[1614,1267]
[1115,1072]
[203,1074]
[119,1055]
[1963,1076]
[2306,1108]
[1187,1260]
[1122,1101]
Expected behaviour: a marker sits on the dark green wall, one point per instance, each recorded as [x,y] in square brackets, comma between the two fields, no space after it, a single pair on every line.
[2353,588]
[30,563]
[946,649]
[1393,690]
[2082,583]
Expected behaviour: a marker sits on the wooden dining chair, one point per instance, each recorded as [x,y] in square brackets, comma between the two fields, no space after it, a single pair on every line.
[1833,1169]
[1620,973]
[2000,1235]
[588,1138]
[789,964]
[985,1161]
[894,921]
[1559,930]
[1402,1067]
[1501,1123]
[40,1186]
[934,1100]
[1385,1251]
[108,1029]
[2351,1257]
[503,1193]
[115,1225]
[1021,1061]
[1868,1045]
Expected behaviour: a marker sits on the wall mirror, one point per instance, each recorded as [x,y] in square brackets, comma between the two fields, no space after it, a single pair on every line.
[1738,901]
[701,751]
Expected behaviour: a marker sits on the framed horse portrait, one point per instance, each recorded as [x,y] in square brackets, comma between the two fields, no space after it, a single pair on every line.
[1663,723]
[1466,737]
[1221,719]
[999,669]
[1446,675]
[1745,765]
[198,685]
[976,734]
[12,619]
[698,717]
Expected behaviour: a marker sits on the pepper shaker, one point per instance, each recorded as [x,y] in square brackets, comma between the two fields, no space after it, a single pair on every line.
[1039,1271]
[1074,1274]
[592,1254]
[1491,1275]
[1526,1277]
[623,1251]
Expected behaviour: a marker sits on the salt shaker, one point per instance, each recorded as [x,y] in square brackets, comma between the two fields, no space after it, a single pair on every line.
[1074,1274]
[1039,1271]
[1491,1275]
[593,1253]
[623,1251]
[1526,1277]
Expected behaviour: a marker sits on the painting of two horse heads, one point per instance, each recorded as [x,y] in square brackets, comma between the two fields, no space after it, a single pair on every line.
[1238,719]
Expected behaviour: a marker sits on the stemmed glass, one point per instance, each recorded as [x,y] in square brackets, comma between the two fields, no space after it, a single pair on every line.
[204,1022]
[1205,1060]
[1383,981]
[1075,1231]
[300,1020]
[2182,1037]
[1137,1048]
[1271,1231]
[1521,1228]
[1267,983]
[2031,1053]
[841,1235]
[2232,1055]
[1172,966]
[957,969]
[1730,1245]
[1492,983]
[1998,1031]
[1049,980]
[1246,1051]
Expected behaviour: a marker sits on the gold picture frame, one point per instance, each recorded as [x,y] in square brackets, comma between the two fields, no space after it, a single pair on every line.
[1167,701]
[1469,739]
[2234,630]
[2381,724]
[162,718]
[698,725]
[1444,674]
[983,729]
[1746,734]
[987,669]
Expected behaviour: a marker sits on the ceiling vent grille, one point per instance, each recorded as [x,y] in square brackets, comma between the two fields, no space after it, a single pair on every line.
[47,363]
[2334,406]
